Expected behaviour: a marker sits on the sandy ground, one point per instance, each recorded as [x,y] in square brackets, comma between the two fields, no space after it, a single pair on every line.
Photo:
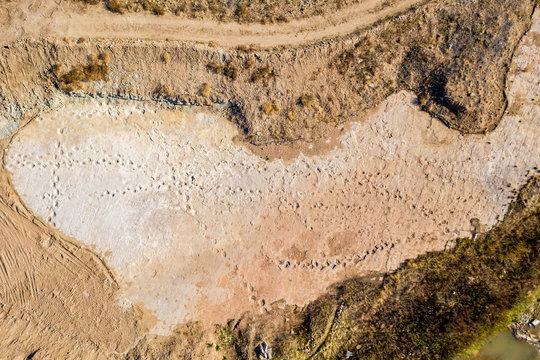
[198,228]
[47,18]
[57,299]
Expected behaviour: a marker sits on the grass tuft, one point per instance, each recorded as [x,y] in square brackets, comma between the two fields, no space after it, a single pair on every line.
[96,69]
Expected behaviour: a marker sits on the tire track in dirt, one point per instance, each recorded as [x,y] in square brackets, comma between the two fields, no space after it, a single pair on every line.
[16,267]
[47,19]
[55,296]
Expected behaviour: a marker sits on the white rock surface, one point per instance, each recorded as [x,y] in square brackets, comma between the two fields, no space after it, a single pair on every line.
[198,228]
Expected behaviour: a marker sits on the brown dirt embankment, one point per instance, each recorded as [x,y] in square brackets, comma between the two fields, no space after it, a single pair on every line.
[453,55]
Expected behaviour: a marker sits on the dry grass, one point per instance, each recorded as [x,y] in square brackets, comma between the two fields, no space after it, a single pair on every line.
[270,108]
[73,80]
[117,6]
[253,11]
[229,70]
[166,57]
[246,48]
[306,100]
[163,91]
[89,2]
[263,74]
[205,90]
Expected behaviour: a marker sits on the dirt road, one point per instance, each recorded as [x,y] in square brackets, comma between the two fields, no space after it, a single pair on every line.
[46,18]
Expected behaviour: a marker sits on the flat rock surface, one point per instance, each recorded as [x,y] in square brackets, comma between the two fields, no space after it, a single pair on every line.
[198,228]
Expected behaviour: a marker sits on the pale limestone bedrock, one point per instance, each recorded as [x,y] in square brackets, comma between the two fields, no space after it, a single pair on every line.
[198,228]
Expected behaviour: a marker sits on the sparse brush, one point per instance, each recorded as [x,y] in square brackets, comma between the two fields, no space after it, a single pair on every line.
[117,6]
[158,10]
[250,63]
[246,48]
[215,67]
[262,74]
[231,72]
[205,90]
[241,12]
[306,100]
[90,2]
[163,91]
[96,70]
[105,57]
[270,108]
[290,115]
[166,58]
[56,70]
[245,11]
[228,70]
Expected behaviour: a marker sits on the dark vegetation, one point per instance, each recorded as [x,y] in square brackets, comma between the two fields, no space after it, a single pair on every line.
[453,54]
[245,11]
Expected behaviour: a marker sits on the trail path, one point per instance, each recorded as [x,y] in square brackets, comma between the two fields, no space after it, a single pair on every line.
[46,18]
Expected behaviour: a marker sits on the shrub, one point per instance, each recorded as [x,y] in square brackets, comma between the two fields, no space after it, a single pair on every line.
[117,6]
[228,70]
[215,68]
[166,58]
[56,69]
[241,12]
[262,73]
[90,2]
[231,72]
[246,48]
[250,63]
[158,10]
[306,100]
[205,90]
[96,70]
[270,108]
[104,57]
[163,91]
